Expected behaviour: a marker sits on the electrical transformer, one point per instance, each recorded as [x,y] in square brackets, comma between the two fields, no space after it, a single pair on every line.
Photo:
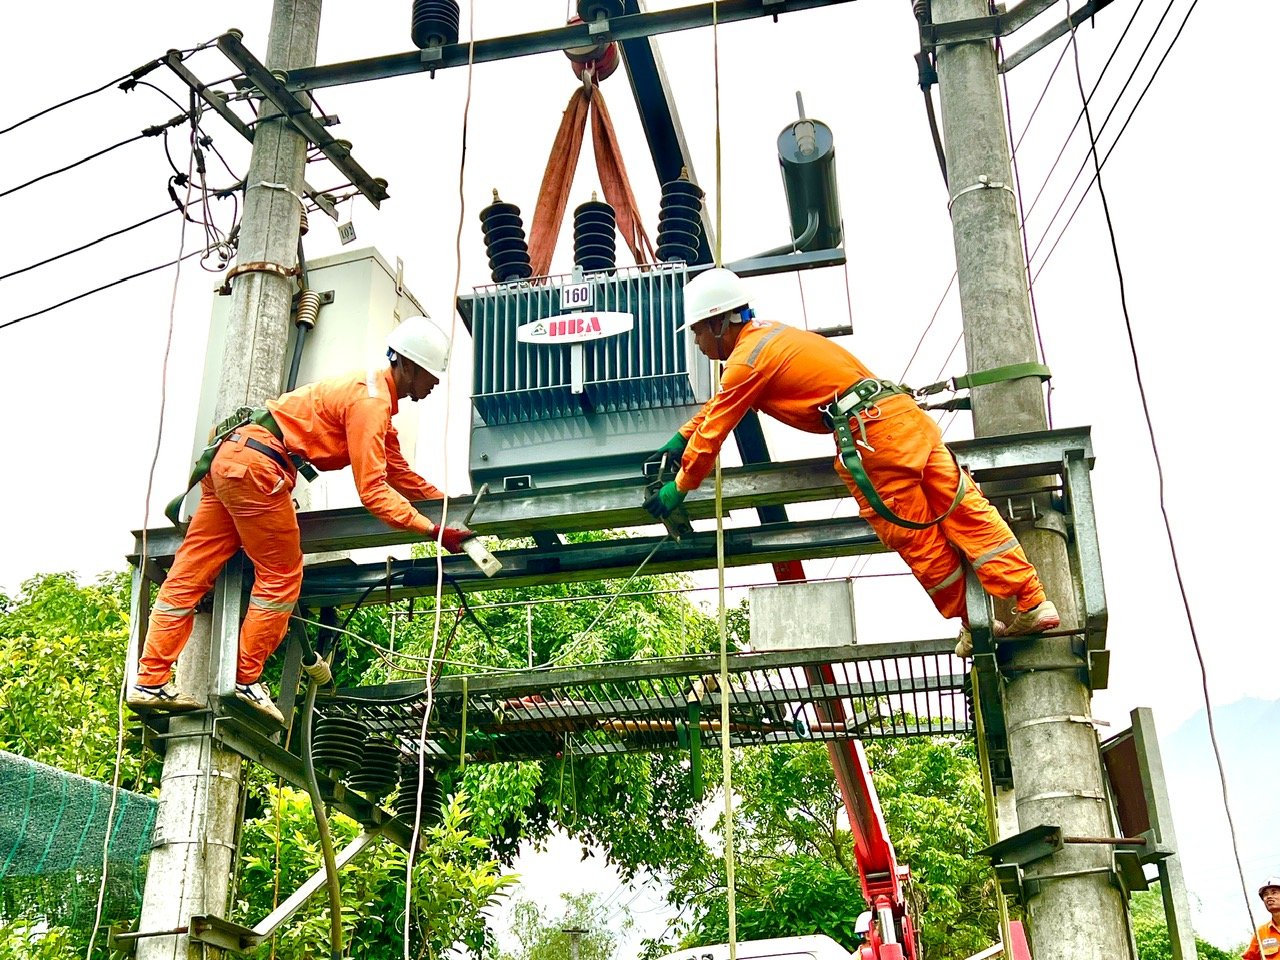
[578,378]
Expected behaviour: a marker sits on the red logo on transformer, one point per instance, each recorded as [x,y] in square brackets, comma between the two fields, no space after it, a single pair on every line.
[575,327]
[572,325]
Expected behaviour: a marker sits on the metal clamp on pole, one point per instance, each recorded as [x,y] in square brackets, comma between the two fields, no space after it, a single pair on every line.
[258,266]
[984,183]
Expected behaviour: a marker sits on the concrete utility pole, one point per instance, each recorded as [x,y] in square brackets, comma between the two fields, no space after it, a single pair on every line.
[1076,911]
[199,815]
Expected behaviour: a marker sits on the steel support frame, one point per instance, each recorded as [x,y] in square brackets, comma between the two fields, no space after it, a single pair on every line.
[627,27]
[1027,456]
[174,62]
[299,114]
[1004,24]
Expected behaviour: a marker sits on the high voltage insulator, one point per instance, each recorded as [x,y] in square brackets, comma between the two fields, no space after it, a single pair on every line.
[505,241]
[338,743]
[379,769]
[593,10]
[406,805]
[680,222]
[435,23]
[595,236]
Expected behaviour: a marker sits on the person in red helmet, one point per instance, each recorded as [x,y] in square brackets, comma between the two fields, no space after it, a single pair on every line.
[246,500]
[1266,939]
[919,503]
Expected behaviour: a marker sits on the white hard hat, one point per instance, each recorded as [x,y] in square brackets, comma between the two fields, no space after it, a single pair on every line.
[863,924]
[1268,883]
[422,341]
[712,293]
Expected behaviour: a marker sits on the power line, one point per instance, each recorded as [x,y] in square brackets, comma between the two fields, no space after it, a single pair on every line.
[1155,447]
[148,132]
[1111,149]
[86,246]
[105,286]
[64,103]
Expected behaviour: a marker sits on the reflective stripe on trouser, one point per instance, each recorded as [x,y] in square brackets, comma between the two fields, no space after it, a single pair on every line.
[245,500]
[916,476]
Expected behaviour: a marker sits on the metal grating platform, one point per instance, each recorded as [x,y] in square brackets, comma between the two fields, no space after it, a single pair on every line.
[887,690]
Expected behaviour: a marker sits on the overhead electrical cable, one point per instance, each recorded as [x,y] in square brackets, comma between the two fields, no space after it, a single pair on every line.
[72,166]
[1107,119]
[67,102]
[105,286]
[86,246]
[1155,452]
[1114,143]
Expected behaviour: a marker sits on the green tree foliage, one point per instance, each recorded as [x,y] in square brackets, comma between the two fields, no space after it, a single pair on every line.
[796,868]
[455,882]
[62,651]
[1152,934]
[541,937]
[62,648]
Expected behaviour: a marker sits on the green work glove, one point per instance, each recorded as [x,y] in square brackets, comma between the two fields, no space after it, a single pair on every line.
[667,499]
[672,450]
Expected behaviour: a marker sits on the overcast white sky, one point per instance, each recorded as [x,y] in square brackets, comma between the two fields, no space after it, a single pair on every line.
[1191,192]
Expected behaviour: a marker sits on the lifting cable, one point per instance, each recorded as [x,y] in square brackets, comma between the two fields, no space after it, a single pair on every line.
[416,834]
[146,523]
[1155,452]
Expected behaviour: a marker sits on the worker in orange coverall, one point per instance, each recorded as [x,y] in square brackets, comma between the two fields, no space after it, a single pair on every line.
[1266,940]
[246,499]
[793,375]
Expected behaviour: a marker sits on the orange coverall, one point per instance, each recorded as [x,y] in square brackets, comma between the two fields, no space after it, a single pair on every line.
[1265,944]
[246,500]
[788,373]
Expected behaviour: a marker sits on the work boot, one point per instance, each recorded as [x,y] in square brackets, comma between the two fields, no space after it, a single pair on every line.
[161,696]
[1038,619]
[256,696]
[964,645]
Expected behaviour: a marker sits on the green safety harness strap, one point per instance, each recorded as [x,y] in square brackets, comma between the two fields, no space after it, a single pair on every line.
[851,456]
[224,431]
[850,406]
[1012,371]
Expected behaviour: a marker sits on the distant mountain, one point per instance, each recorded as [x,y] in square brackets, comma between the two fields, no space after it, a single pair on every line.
[1248,734]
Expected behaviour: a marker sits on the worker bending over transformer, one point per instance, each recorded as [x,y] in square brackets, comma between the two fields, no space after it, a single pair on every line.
[246,499]
[892,458]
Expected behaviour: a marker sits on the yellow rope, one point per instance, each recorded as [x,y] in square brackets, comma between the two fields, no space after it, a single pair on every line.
[726,756]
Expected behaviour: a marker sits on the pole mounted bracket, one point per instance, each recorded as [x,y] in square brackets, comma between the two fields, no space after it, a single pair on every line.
[935,35]
[298,113]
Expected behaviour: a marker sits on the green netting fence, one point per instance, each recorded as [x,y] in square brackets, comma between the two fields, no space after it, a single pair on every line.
[52,828]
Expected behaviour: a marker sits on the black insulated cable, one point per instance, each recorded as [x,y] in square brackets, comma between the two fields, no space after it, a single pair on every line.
[148,132]
[105,286]
[88,93]
[86,246]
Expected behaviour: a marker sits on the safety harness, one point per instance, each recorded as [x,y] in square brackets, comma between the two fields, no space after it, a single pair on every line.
[226,432]
[859,403]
